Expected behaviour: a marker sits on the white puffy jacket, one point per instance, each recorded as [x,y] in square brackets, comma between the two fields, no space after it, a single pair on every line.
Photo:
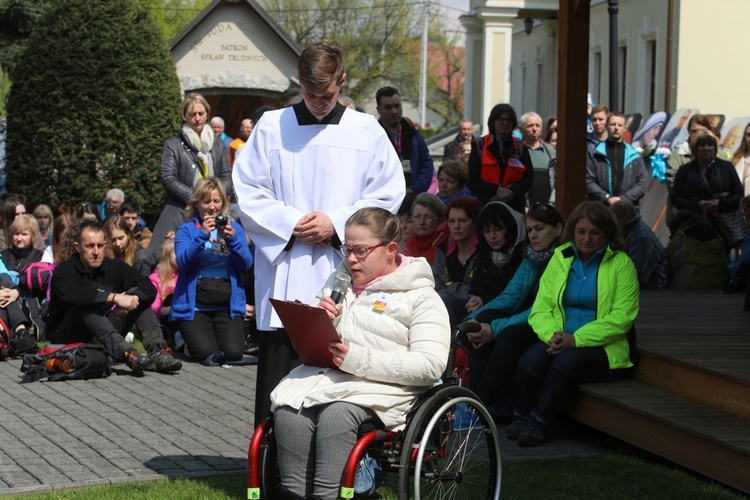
[394,354]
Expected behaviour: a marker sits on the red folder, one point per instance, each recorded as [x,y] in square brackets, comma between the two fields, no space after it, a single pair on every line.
[310,330]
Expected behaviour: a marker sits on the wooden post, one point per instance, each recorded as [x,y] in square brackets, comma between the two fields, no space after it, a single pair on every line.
[572,87]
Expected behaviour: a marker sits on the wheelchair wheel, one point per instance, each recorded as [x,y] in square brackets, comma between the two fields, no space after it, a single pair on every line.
[451,449]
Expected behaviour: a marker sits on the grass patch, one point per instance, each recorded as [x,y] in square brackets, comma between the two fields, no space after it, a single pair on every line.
[604,476]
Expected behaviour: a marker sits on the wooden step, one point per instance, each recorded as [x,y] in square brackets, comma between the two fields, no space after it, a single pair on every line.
[708,440]
[716,382]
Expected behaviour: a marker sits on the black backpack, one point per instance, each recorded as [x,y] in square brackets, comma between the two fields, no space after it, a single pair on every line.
[66,362]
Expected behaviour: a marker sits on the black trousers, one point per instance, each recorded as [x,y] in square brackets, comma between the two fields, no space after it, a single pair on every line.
[546,384]
[90,324]
[13,315]
[212,331]
[495,372]
[276,358]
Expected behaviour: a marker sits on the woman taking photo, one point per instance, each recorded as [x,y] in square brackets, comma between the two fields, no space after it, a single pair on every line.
[430,229]
[454,258]
[582,324]
[505,333]
[709,186]
[501,250]
[212,253]
[394,346]
[501,170]
[191,155]
[122,245]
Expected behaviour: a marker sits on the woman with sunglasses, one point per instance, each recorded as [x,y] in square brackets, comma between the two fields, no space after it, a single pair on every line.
[394,346]
[505,333]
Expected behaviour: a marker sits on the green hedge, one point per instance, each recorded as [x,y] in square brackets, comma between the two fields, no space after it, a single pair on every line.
[95,94]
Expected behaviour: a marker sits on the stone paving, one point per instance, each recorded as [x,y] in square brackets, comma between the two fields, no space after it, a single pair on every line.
[198,422]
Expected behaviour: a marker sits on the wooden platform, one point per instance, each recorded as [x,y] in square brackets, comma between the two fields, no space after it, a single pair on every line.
[690,400]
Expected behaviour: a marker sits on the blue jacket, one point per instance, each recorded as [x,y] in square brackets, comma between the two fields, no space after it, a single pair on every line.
[415,150]
[599,175]
[513,305]
[189,244]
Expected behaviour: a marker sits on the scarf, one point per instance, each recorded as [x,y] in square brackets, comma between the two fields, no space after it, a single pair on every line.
[540,257]
[499,259]
[426,246]
[201,147]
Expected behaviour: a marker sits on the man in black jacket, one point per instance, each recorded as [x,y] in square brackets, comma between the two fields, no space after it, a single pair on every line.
[98,299]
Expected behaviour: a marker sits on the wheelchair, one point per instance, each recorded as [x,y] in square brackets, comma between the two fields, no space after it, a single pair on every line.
[449,447]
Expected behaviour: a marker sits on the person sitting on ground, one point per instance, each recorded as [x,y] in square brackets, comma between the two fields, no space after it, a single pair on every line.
[98,299]
[87,210]
[430,229]
[132,215]
[43,216]
[454,258]
[388,355]
[452,177]
[164,279]
[122,245]
[62,223]
[505,333]
[642,245]
[695,253]
[11,308]
[209,298]
[24,231]
[500,252]
[14,206]
[582,324]
[110,207]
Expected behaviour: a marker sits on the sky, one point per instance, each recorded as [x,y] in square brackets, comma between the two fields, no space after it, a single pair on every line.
[452,10]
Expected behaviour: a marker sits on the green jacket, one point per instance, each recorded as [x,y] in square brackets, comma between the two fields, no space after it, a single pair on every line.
[617,304]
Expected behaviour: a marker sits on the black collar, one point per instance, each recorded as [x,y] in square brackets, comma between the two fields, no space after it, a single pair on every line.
[304,117]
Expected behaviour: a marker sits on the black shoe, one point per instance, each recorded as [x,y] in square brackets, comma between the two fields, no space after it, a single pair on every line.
[138,363]
[534,435]
[516,427]
[163,362]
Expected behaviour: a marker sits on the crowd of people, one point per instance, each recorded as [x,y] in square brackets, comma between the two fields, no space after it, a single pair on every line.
[478,239]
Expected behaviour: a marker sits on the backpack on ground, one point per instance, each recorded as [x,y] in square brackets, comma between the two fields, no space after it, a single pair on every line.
[66,362]
[13,344]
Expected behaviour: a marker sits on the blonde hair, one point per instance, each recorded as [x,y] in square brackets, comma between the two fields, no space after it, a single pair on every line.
[203,189]
[743,150]
[25,222]
[119,222]
[191,100]
[167,270]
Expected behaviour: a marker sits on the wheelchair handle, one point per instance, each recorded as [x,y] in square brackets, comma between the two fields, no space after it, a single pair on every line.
[459,331]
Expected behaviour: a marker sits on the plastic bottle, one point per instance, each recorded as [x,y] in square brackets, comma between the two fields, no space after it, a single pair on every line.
[58,364]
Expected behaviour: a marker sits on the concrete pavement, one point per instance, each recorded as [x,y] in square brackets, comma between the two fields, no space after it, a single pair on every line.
[198,422]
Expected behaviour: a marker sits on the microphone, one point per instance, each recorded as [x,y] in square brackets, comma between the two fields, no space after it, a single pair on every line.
[340,285]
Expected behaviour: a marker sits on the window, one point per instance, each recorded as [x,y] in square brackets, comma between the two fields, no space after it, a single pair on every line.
[651,68]
[596,71]
[622,73]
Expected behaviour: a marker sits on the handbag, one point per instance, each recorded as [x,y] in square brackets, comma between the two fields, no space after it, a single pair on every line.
[732,227]
[214,291]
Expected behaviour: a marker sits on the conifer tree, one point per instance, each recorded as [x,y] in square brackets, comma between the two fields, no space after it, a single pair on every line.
[95,94]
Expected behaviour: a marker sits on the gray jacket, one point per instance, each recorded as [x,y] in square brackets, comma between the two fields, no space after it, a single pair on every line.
[599,175]
[178,166]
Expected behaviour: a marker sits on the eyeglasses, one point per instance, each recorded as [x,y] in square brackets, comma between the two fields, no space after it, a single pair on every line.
[359,251]
[487,231]
[113,207]
[426,218]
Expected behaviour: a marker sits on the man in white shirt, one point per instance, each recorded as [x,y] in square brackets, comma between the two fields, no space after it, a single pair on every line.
[304,171]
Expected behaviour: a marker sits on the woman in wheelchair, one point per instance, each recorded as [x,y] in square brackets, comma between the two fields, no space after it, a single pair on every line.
[586,305]
[394,345]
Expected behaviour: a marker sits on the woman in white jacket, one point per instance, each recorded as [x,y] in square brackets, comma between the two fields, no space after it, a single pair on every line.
[395,338]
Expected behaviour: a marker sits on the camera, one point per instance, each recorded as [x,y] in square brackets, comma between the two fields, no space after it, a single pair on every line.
[221,222]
